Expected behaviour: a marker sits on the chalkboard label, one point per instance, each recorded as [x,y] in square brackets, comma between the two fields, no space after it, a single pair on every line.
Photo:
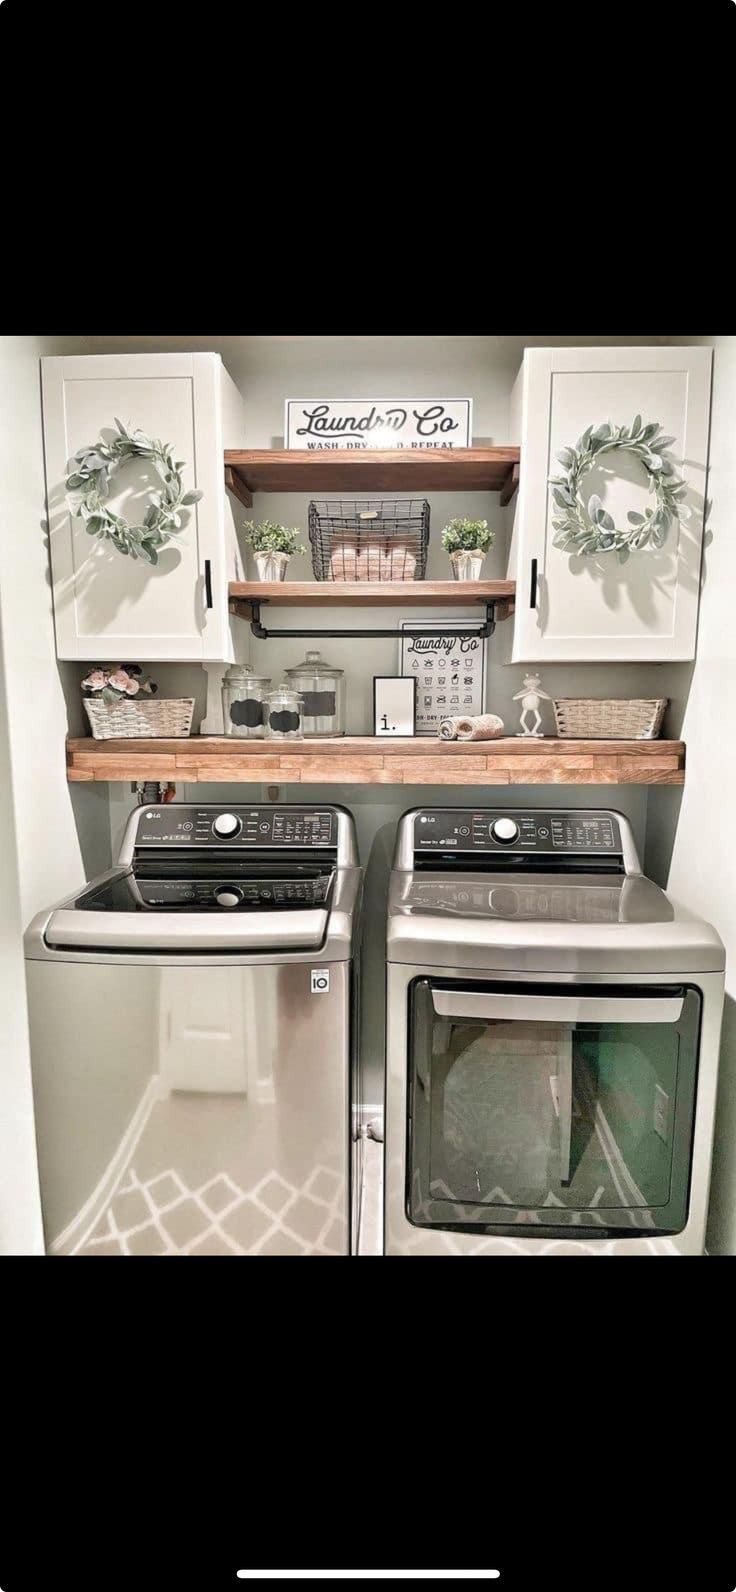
[284,721]
[319,704]
[249,712]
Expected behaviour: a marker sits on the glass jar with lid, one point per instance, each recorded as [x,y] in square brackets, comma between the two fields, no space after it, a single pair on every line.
[323,690]
[243,695]
[283,714]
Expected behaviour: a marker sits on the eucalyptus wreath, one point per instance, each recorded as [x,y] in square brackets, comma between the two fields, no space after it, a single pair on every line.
[590,528]
[88,484]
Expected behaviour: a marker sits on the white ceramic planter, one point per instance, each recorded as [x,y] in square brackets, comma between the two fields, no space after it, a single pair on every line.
[467,565]
[272,566]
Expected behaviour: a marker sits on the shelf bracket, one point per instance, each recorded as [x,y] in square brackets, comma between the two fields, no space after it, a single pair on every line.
[262,633]
[510,486]
[237,486]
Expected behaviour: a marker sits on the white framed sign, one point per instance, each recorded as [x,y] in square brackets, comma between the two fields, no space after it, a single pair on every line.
[317,423]
[450,671]
[394,705]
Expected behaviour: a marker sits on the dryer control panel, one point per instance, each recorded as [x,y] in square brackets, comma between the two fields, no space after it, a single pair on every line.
[494,831]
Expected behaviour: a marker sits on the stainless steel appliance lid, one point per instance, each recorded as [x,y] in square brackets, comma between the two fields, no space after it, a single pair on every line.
[194,938]
[278,880]
[210,885]
[255,906]
[267,932]
[636,930]
[535,889]
[588,898]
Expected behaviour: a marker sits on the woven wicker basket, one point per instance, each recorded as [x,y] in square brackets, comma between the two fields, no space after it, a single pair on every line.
[123,720]
[609,719]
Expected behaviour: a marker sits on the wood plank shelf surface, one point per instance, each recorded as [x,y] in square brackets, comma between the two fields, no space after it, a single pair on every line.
[413,470]
[371,594]
[372,760]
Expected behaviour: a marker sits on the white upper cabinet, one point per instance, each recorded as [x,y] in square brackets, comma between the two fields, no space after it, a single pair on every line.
[109,607]
[574,606]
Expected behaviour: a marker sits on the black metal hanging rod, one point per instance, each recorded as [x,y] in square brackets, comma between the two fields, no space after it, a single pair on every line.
[482,631]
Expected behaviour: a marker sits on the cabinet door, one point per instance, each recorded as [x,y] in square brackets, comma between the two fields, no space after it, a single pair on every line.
[595,608]
[108,607]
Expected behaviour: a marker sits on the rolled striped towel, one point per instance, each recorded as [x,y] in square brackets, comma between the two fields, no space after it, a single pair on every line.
[484,727]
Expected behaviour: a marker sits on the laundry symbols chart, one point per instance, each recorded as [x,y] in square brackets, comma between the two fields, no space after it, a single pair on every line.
[450,671]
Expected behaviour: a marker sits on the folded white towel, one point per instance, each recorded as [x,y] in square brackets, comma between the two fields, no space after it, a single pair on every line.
[484,727]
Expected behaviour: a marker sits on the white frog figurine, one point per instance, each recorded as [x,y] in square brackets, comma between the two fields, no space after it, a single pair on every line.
[530,697]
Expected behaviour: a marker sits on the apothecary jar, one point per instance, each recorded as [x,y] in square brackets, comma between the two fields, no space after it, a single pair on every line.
[323,690]
[284,713]
[243,694]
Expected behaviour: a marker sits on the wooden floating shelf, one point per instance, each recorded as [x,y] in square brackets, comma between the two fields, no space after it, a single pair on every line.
[371,760]
[370,594]
[396,470]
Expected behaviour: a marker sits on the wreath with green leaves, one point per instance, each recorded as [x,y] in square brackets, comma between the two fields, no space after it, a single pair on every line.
[88,486]
[589,528]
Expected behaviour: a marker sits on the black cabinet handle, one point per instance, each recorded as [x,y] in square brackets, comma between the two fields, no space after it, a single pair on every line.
[533,591]
[208,583]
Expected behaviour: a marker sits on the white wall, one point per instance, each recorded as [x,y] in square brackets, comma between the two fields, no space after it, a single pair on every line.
[698,828]
[42,817]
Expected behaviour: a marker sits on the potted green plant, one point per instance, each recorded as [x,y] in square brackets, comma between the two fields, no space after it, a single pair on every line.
[273,545]
[467,542]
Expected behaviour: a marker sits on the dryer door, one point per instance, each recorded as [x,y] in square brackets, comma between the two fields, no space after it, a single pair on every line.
[553,1105]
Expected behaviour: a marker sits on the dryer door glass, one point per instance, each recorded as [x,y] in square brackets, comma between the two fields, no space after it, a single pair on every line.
[552,1105]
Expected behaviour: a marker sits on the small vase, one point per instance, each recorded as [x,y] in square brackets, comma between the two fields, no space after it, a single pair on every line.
[271,566]
[467,566]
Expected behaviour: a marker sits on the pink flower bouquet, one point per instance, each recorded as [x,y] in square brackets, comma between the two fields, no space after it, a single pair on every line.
[115,683]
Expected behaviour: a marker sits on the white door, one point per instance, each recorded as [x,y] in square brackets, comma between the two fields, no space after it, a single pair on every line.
[573,607]
[109,607]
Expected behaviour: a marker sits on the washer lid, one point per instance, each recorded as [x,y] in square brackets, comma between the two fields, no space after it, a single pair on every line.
[226,929]
[211,903]
[549,923]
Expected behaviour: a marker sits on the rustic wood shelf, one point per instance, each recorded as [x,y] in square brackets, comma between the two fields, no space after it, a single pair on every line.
[370,594]
[371,760]
[249,470]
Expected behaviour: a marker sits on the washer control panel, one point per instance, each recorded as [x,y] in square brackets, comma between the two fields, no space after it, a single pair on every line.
[488,830]
[181,827]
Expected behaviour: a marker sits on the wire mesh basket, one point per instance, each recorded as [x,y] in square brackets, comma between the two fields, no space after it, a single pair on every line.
[609,719]
[369,539]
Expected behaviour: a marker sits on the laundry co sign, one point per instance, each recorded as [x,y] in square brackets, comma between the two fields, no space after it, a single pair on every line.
[378,423]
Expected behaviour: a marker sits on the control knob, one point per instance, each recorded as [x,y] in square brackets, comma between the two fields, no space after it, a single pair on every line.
[228,898]
[227,826]
[505,830]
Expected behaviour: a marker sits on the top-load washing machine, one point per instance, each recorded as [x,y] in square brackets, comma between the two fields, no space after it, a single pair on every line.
[193,1018]
[553,1024]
